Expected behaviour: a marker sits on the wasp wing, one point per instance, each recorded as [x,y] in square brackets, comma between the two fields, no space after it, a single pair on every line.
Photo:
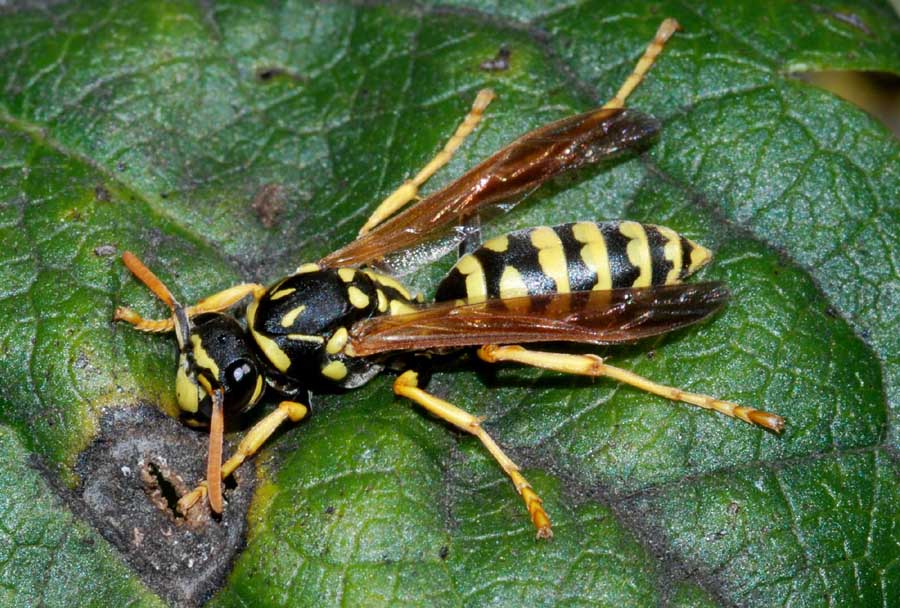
[596,317]
[505,177]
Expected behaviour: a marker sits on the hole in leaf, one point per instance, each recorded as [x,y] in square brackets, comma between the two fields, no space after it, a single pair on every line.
[163,487]
[132,476]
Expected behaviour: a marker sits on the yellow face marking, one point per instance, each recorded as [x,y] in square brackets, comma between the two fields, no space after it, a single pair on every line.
[700,257]
[382,301]
[511,284]
[288,319]
[346,274]
[551,256]
[304,268]
[476,289]
[337,341]
[187,392]
[270,349]
[387,281]
[306,338]
[672,253]
[257,390]
[398,307]
[638,251]
[357,297]
[498,244]
[202,358]
[281,293]
[594,253]
[205,384]
[335,370]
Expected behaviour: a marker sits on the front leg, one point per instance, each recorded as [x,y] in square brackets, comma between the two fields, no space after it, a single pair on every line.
[250,445]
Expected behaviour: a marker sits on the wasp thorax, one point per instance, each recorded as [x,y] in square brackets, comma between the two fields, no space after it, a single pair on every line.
[301,324]
[218,356]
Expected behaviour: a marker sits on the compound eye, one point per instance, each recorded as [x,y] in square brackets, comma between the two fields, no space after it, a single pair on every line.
[243,385]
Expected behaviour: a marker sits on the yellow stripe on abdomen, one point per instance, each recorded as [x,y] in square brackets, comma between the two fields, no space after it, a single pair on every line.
[638,251]
[594,253]
[672,253]
[551,257]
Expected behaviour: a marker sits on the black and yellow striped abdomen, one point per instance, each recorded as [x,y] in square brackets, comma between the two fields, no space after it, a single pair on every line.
[580,256]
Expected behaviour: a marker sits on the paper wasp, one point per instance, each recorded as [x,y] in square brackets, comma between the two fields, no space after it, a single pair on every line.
[341,320]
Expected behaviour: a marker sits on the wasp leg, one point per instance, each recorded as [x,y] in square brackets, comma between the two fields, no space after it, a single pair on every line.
[214,303]
[407,385]
[410,188]
[592,365]
[665,31]
[250,444]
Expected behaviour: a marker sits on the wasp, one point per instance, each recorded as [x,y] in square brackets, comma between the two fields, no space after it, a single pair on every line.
[342,320]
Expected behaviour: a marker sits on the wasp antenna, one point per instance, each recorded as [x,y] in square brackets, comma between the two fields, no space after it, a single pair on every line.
[146,276]
[214,458]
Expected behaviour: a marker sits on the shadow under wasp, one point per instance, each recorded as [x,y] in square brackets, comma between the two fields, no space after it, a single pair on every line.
[343,319]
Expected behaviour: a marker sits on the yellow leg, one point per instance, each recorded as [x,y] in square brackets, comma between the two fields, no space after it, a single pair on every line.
[250,444]
[214,303]
[410,188]
[592,365]
[407,385]
[665,31]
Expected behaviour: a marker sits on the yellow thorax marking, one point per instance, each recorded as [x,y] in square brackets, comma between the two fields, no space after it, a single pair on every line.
[306,338]
[308,267]
[337,341]
[335,370]
[357,297]
[282,293]
[387,281]
[288,319]
[398,307]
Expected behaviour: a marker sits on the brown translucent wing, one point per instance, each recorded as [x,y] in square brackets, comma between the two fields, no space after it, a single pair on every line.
[596,317]
[515,170]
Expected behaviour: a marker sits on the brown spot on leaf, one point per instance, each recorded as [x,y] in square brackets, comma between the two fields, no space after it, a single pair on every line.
[269,203]
[101,193]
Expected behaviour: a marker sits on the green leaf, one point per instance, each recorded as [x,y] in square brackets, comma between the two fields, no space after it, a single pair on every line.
[154,127]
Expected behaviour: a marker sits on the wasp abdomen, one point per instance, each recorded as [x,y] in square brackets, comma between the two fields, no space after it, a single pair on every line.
[580,256]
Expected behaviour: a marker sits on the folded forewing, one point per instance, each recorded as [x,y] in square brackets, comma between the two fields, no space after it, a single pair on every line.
[596,317]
